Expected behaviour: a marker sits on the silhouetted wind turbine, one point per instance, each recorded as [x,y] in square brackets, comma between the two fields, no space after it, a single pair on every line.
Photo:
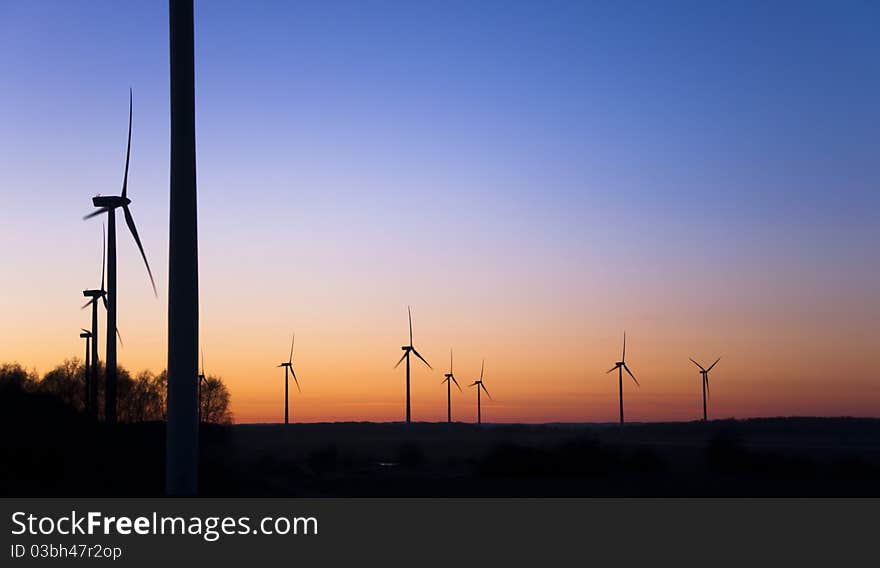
[406,351]
[109,204]
[87,335]
[202,379]
[704,373]
[450,378]
[289,366]
[621,367]
[479,384]
[92,395]
[182,429]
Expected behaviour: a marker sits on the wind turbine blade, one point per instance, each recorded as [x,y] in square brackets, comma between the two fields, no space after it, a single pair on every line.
[631,375]
[611,369]
[104,300]
[129,220]
[708,394]
[713,364]
[401,360]
[203,361]
[119,336]
[623,356]
[409,312]
[473,384]
[417,354]
[292,372]
[456,383]
[85,330]
[128,147]
[485,391]
[87,304]
[482,366]
[96,213]
[293,337]
[697,364]
[450,360]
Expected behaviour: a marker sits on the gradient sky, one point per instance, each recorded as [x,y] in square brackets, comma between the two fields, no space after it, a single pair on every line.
[533,177]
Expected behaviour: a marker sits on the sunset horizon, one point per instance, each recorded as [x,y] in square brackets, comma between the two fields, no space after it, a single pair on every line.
[532,193]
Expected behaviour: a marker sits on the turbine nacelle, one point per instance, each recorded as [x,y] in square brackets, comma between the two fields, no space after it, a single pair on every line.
[621,365]
[94,293]
[407,349]
[289,364]
[480,385]
[704,370]
[110,201]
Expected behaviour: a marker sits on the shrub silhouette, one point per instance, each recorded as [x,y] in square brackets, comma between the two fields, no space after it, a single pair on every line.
[215,400]
[140,399]
[14,378]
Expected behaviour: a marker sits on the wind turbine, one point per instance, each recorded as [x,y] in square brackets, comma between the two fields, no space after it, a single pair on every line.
[87,335]
[109,204]
[94,295]
[704,373]
[289,366]
[182,430]
[479,384]
[406,351]
[202,378]
[450,378]
[621,367]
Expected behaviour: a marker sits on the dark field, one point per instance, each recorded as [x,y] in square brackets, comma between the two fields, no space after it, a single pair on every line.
[47,450]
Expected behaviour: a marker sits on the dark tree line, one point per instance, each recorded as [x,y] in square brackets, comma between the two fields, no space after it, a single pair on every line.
[142,398]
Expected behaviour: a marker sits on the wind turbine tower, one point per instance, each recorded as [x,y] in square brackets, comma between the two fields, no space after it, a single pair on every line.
[479,384]
[450,378]
[407,349]
[621,367]
[704,374]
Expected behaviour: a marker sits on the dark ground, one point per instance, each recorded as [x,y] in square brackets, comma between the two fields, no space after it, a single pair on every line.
[47,450]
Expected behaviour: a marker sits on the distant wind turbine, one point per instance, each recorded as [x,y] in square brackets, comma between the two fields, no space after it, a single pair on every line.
[450,378]
[94,295]
[289,366]
[479,384]
[109,204]
[704,373]
[621,367]
[202,379]
[87,335]
[406,351]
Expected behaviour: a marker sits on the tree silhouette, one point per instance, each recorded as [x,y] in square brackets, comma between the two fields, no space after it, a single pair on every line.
[15,378]
[140,399]
[215,401]
[66,382]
